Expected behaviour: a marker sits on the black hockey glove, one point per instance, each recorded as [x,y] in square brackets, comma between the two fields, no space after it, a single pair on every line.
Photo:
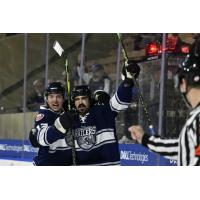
[130,70]
[101,97]
[65,122]
[33,138]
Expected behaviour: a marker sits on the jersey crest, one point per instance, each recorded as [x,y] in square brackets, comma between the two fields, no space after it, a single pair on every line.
[83,118]
[86,137]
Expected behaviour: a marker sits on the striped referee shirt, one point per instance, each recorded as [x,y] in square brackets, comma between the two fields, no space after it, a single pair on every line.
[185,149]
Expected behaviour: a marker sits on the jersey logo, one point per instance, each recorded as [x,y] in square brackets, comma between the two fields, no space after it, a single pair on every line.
[39,117]
[83,118]
[197,151]
[86,137]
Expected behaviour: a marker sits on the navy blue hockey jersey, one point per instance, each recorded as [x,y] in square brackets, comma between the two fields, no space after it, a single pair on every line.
[95,134]
[53,150]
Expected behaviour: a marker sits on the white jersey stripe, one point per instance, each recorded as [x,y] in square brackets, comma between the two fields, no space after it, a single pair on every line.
[42,134]
[117,105]
[59,144]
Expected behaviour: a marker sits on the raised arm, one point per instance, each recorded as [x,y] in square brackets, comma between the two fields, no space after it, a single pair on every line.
[123,96]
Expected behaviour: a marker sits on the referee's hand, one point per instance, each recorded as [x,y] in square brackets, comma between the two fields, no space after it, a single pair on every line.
[137,133]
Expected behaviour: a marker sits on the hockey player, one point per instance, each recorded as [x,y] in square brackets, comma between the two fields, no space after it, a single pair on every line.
[53,149]
[94,127]
[185,149]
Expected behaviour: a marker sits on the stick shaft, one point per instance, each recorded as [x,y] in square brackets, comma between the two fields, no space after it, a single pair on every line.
[69,108]
[125,55]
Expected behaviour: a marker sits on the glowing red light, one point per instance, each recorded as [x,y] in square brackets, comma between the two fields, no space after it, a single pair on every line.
[185,49]
[152,48]
[173,46]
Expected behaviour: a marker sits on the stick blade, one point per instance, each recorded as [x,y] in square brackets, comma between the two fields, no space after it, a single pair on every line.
[57,47]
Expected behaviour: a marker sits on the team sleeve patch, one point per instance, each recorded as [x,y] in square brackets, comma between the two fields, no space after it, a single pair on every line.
[39,117]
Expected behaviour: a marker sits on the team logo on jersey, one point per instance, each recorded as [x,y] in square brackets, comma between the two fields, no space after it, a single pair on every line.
[86,137]
[83,118]
[39,117]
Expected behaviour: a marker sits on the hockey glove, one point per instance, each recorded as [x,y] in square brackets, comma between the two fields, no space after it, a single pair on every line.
[33,138]
[65,122]
[130,70]
[101,97]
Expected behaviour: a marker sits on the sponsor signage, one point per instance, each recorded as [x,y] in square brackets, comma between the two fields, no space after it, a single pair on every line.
[17,149]
[130,154]
[137,155]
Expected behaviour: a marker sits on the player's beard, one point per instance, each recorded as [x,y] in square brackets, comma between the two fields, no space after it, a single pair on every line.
[82,109]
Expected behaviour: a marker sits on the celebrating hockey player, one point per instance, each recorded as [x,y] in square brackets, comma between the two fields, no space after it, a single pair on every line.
[94,126]
[53,149]
[185,149]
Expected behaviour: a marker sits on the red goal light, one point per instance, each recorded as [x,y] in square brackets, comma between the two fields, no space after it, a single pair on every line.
[185,49]
[152,49]
[174,46]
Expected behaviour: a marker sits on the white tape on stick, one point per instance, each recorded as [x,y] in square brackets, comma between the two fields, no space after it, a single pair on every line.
[57,47]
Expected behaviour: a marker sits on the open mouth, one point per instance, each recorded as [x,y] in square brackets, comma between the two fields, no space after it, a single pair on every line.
[55,106]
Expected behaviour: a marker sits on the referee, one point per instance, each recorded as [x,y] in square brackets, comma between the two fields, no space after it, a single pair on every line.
[185,149]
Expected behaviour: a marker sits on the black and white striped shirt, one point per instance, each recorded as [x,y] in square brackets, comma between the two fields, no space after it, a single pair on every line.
[185,149]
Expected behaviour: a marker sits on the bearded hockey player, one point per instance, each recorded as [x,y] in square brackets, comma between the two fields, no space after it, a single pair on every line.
[185,149]
[53,149]
[94,126]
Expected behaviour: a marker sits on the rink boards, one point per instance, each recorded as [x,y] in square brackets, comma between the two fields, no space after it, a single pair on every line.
[18,152]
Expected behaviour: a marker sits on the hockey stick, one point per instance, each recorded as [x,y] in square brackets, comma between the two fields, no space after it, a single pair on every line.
[59,50]
[125,55]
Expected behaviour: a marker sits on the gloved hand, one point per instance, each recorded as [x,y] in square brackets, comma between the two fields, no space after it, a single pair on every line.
[65,122]
[101,97]
[130,70]
[33,138]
